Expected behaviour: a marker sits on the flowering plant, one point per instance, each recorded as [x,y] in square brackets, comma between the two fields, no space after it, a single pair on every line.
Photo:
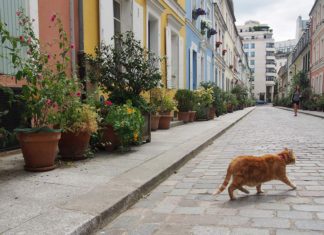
[224,51]
[211,32]
[47,84]
[77,117]
[127,121]
[204,97]
[198,12]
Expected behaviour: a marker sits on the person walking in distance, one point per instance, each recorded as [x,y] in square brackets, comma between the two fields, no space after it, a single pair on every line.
[296,98]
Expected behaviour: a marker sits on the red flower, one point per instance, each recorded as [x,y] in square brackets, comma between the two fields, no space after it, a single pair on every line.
[78,94]
[55,105]
[72,46]
[22,38]
[53,17]
[108,103]
[48,102]
[18,13]
[48,56]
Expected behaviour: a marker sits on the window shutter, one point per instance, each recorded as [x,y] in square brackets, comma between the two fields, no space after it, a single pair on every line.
[8,9]
[168,60]
[181,67]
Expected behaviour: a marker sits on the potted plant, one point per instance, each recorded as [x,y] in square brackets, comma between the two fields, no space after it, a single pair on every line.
[211,32]
[184,100]
[166,105]
[47,85]
[78,122]
[123,126]
[155,117]
[198,12]
[204,100]
[224,52]
[125,72]
[218,43]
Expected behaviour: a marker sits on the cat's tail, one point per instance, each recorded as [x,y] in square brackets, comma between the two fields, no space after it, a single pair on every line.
[226,181]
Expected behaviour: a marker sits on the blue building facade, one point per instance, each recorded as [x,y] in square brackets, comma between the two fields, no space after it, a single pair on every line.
[200,42]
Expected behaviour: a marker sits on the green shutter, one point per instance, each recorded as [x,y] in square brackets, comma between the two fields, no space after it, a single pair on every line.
[8,9]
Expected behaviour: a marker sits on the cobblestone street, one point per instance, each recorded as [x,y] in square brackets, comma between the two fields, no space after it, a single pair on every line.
[183,204]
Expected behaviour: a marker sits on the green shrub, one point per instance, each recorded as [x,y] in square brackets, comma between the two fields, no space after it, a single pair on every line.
[185,100]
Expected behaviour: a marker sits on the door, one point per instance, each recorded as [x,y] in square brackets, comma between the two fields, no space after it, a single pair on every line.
[194,70]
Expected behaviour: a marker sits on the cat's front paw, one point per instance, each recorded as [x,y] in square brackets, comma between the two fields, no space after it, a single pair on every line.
[294,187]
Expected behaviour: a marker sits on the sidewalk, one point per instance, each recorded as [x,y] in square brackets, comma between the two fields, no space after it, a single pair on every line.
[307,112]
[79,197]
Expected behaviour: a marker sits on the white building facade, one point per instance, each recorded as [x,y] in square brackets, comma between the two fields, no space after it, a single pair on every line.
[259,47]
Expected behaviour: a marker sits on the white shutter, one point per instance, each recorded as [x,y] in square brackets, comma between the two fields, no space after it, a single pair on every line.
[106,18]
[198,69]
[138,18]
[168,60]
[181,68]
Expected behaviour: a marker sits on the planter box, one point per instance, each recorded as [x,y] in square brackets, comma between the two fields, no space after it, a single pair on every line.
[146,131]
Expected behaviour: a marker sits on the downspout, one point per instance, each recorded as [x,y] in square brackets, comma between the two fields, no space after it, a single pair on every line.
[81,54]
[72,39]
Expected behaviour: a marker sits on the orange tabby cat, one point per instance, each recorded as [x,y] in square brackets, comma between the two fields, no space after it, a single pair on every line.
[253,171]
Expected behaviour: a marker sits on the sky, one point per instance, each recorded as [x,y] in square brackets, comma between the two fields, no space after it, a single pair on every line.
[280,15]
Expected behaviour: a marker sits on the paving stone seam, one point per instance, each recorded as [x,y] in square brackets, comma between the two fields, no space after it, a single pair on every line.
[131,198]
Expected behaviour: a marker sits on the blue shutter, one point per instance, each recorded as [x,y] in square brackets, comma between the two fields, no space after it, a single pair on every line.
[8,9]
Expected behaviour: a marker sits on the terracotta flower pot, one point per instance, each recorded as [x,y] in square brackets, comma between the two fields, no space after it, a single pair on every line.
[155,119]
[73,146]
[183,116]
[110,138]
[165,121]
[211,114]
[192,116]
[39,149]
[165,113]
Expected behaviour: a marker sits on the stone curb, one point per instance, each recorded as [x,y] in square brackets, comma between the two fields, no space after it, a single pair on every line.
[129,198]
[300,111]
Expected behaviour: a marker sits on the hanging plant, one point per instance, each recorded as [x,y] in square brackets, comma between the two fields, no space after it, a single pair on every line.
[218,44]
[204,24]
[198,12]
[211,32]
[224,51]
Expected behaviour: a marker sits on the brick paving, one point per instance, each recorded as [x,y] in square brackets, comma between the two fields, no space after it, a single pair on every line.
[183,204]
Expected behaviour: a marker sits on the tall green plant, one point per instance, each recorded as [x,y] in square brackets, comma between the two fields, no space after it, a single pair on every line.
[185,100]
[124,70]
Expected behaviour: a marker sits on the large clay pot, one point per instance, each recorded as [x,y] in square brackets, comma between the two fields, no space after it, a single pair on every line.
[73,146]
[165,121]
[192,116]
[109,138]
[155,119]
[183,116]
[39,149]
[211,114]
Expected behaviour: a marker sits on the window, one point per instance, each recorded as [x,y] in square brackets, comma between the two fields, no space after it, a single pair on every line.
[270,45]
[252,62]
[269,78]
[252,37]
[246,46]
[270,70]
[269,53]
[252,45]
[252,70]
[252,53]
[117,24]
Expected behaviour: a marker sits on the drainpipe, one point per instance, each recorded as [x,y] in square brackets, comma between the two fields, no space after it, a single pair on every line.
[81,54]
[72,39]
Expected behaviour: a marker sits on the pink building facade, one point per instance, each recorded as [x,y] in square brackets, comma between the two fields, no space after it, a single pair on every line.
[317,47]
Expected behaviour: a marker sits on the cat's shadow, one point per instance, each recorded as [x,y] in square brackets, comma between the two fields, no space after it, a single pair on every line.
[253,198]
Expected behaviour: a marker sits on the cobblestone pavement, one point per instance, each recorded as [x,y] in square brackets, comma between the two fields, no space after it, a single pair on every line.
[183,204]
